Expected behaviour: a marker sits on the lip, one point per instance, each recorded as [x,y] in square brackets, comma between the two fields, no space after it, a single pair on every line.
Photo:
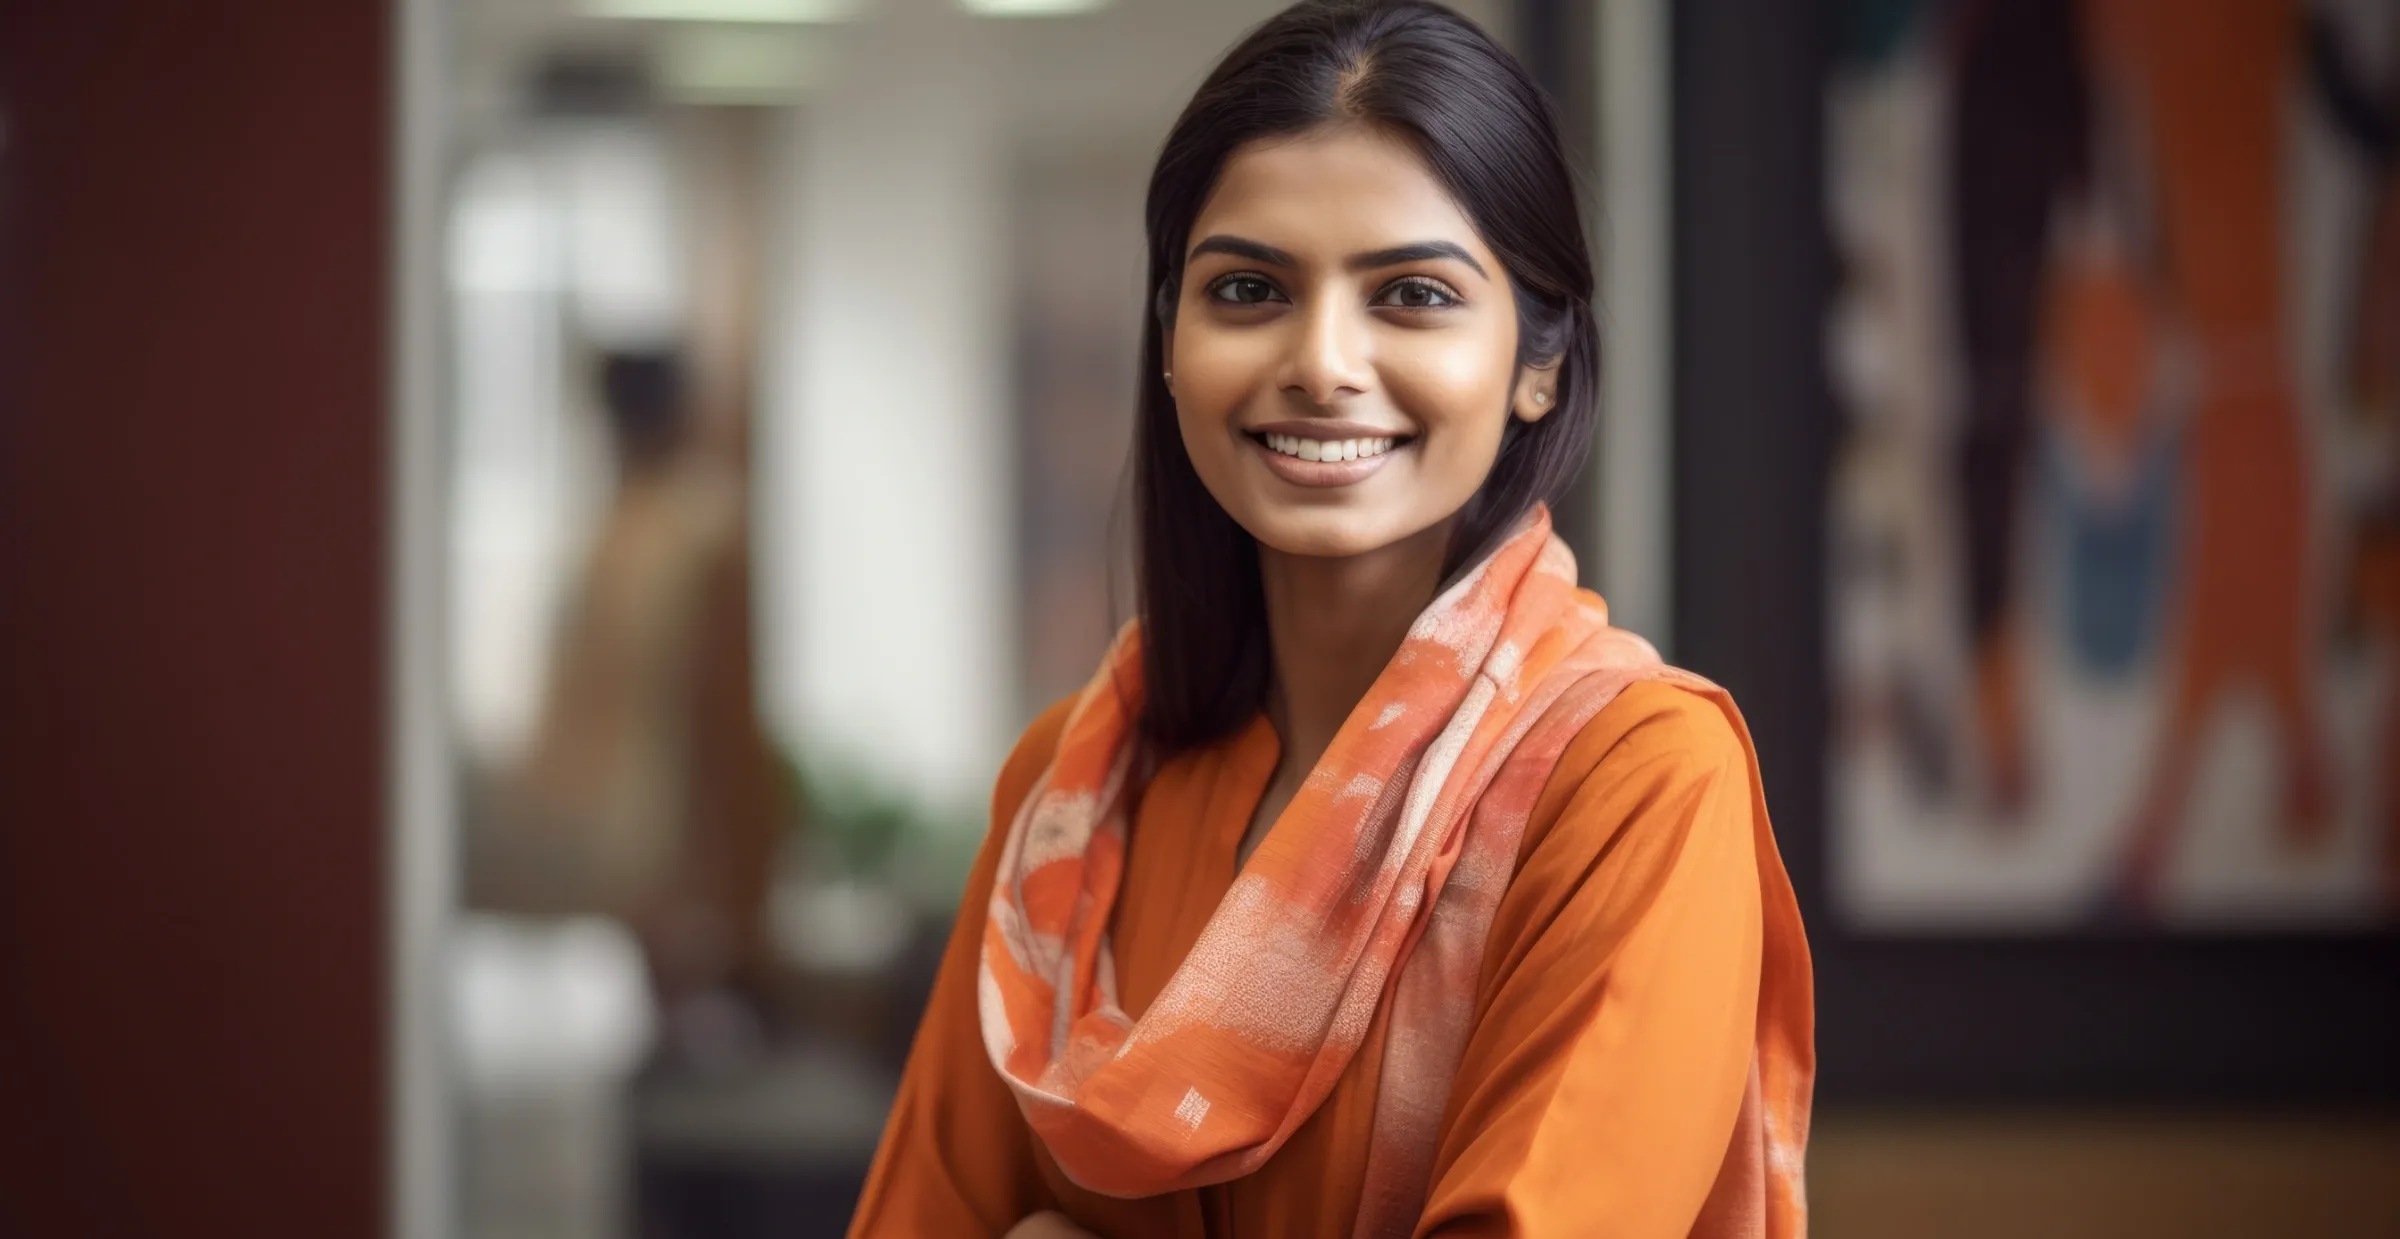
[1327,428]
[1324,473]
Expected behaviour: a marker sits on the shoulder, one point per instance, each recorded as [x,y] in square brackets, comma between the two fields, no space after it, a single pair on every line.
[1667,725]
[1667,757]
[1654,804]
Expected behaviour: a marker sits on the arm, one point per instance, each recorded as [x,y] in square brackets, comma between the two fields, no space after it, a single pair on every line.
[957,1158]
[1616,1015]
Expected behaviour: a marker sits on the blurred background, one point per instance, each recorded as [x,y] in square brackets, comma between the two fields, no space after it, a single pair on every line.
[528,526]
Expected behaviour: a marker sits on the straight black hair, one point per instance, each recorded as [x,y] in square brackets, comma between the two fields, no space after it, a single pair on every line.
[1420,72]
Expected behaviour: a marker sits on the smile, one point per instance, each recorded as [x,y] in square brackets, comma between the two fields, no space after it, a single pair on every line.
[1304,460]
[1327,449]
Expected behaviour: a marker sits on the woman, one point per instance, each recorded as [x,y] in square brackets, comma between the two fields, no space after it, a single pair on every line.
[1374,886]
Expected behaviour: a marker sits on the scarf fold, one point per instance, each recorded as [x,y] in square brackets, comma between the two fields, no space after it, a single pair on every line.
[1419,803]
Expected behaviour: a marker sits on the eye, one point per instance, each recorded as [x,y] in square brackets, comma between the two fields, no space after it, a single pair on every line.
[1417,292]
[1242,289]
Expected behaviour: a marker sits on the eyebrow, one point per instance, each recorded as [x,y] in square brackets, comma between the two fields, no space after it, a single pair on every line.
[1418,252]
[1242,247]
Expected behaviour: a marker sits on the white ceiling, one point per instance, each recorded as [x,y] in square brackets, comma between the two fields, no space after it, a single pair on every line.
[1121,70]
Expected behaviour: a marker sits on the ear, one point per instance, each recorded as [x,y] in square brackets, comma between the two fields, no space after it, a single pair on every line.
[1166,356]
[1536,392]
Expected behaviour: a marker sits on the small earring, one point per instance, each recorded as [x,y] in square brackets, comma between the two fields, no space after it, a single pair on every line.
[1541,397]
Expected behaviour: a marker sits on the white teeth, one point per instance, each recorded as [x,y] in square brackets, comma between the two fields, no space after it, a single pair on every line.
[1329,449]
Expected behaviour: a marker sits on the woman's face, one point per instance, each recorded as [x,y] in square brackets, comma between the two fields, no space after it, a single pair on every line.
[1344,351]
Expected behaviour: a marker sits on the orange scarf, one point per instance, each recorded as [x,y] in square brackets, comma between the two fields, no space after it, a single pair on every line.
[1420,800]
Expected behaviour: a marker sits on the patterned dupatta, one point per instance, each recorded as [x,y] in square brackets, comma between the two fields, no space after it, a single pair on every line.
[1421,799]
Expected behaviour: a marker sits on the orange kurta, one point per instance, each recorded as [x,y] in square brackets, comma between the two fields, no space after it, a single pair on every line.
[1614,1023]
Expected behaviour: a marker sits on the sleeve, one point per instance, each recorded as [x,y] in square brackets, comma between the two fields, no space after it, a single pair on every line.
[1617,1009]
[957,1158]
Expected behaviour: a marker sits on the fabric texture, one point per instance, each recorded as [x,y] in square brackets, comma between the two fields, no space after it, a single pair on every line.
[1377,887]
[1614,1018]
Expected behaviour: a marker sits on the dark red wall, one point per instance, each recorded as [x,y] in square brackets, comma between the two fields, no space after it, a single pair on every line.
[193,232]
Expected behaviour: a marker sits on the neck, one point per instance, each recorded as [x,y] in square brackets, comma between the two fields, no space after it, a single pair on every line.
[1333,625]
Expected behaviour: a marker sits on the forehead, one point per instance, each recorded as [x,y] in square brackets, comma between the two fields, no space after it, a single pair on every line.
[1333,192]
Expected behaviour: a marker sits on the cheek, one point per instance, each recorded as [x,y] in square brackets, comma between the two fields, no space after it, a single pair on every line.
[1218,378]
[1456,386]
[1216,374]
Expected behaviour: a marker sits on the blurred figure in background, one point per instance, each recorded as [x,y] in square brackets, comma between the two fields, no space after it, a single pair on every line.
[616,806]
[618,868]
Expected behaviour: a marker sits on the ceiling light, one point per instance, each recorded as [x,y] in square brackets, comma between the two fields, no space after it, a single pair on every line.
[777,11]
[1030,8]
[719,64]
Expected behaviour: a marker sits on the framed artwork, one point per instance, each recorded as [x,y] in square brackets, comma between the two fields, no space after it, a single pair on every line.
[2113,570]
[1816,372]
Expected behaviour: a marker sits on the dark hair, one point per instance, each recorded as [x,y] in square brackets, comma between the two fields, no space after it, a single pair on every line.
[1425,74]
[642,394]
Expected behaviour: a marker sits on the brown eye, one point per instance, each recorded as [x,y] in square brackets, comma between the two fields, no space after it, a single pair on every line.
[1242,290]
[1417,293]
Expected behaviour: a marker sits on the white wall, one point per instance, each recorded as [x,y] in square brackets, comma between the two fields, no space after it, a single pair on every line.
[886,552]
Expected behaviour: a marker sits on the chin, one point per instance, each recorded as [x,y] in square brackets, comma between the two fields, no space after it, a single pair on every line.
[1326,532]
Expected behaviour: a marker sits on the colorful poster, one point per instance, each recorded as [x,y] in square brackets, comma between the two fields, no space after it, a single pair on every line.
[2115,566]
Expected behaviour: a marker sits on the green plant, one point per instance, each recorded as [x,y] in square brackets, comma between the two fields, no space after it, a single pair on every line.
[862,827]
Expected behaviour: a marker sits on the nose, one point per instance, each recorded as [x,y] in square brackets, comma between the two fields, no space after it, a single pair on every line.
[1329,354]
